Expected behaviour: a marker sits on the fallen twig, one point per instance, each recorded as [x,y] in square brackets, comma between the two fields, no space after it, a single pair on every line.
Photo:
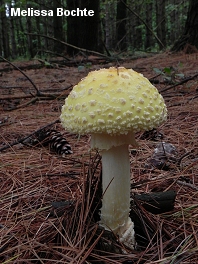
[33,100]
[33,84]
[187,184]
[38,93]
[56,94]
[72,46]
[179,83]
[54,53]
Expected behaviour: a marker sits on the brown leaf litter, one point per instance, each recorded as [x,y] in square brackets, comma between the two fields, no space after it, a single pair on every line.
[49,204]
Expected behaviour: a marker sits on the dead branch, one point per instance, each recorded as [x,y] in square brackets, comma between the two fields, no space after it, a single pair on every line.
[187,184]
[12,87]
[33,100]
[72,46]
[157,202]
[26,67]
[194,97]
[15,97]
[36,96]
[33,84]
[18,141]
[55,94]
[54,53]
[59,64]
[180,83]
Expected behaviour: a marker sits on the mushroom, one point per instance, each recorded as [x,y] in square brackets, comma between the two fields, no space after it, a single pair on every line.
[112,105]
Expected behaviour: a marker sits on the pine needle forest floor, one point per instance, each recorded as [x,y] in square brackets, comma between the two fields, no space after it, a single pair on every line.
[49,203]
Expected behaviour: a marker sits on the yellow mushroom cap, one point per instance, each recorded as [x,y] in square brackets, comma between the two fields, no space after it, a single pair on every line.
[113,101]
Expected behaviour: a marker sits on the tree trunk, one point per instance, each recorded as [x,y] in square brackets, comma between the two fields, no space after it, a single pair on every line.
[172,34]
[1,36]
[72,27]
[31,42]
[82,31]
[137,29]
[12,34]
[160,21]
[107,27]
[58,28]
[38,28]
[121,25]
[21,38]
[30,39]
[190,35]
[4,31]
[149,37]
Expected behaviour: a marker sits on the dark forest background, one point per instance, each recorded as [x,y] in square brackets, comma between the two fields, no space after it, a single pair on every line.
[122,26]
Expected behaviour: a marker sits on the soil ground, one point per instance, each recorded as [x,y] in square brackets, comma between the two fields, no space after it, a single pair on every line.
[34,179]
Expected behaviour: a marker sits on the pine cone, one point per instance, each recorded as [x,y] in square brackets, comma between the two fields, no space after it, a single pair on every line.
[51,138]
[58,143]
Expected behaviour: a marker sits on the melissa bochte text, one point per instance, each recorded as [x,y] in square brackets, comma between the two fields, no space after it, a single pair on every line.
[59,12]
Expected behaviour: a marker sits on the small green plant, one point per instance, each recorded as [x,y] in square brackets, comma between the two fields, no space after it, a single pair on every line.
[84,67]
[171,74]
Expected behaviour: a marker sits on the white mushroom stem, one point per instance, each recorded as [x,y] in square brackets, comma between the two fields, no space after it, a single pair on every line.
[116,192]
[116,187]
